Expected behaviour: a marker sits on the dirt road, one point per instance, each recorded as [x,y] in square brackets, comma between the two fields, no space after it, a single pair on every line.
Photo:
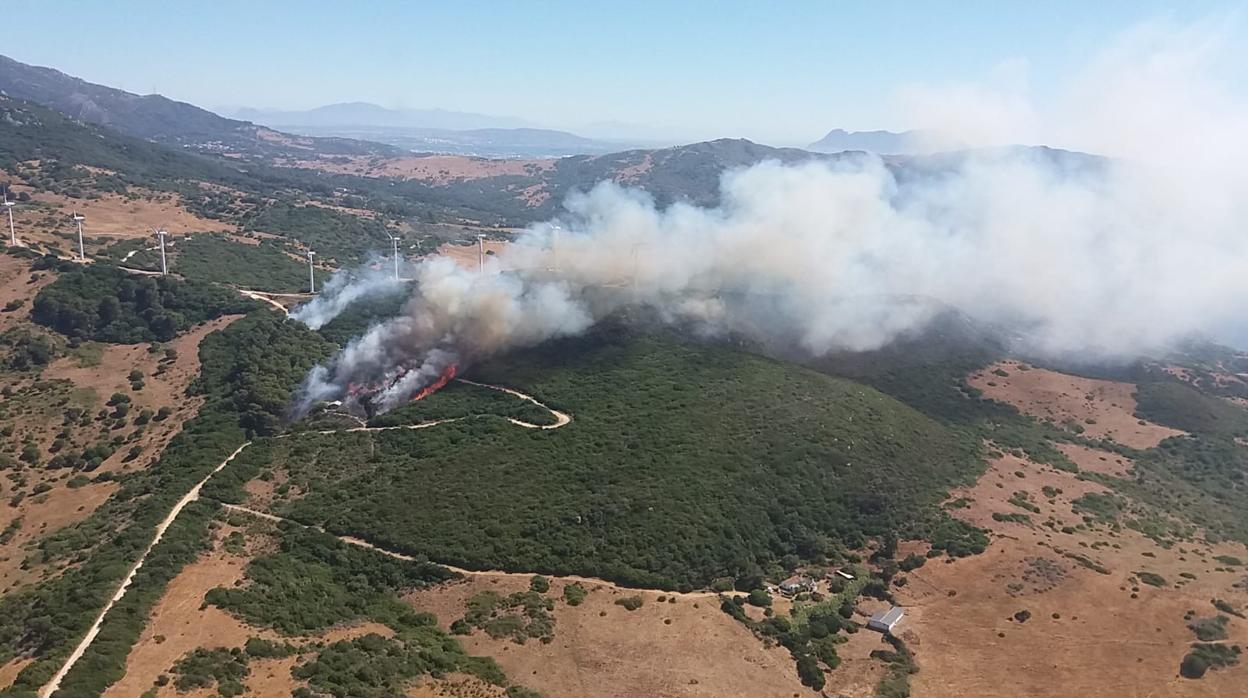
[189,497]
[52,685]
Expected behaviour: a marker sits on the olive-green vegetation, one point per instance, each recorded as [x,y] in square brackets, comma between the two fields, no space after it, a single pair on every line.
[1209,629]
[266,266]
[682,464]
[810,640]
[630,603]
[1151,579]
[574,594]
[22,349]
[357,318]
[205,668]
[900,665]
[334,235]
[243,368]
[260,360]
[1206,656]
[314,582]
[1201,479]
[458,400]
[106,304]
[1180,406]
[519,616]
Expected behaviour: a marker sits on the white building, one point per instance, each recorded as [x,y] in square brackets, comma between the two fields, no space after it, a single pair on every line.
[885,621]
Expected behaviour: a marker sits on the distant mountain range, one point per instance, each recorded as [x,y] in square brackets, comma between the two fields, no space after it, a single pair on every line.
[434,131]
[157,118]
[366,114]
[880,142]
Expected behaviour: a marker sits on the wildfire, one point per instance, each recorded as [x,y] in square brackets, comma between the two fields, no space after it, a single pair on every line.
[447,374]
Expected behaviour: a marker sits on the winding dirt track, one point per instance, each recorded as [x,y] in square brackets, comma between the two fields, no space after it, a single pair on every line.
[187,498]
[461,570]
[54,683]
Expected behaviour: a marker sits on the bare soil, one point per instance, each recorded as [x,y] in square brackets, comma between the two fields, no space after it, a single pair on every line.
[1095,460]
[1086,634]
[467,256]
[1101,408]
[601,649]
[92,384]
[46,219]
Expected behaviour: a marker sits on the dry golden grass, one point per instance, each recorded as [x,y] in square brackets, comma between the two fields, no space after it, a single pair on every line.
[1103,408]
[1087,635]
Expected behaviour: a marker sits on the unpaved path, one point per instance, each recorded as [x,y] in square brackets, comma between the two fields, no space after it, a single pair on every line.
[350,540]
[264,298]
[193,494]
[560,418]
[187,498]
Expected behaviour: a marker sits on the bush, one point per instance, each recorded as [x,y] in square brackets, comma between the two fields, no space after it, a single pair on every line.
[759,597]
[539,584]
[630,603]
[574,594]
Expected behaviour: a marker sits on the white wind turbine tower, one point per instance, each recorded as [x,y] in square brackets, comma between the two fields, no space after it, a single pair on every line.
[164,267]
[395,239]
[311,273]
[8,206]
[481,254]
[79,218]
[554,246]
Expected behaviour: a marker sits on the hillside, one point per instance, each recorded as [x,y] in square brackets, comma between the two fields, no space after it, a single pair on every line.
[681,465]
[157,118]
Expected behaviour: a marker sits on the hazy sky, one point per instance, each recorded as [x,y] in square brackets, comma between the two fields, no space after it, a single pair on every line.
[782,72]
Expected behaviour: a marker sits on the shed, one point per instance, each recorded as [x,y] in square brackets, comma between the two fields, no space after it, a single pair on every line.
[885,621]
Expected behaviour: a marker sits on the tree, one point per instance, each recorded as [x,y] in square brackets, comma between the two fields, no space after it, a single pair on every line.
[809,672]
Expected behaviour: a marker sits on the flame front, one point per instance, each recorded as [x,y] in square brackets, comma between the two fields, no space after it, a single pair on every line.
[447,374]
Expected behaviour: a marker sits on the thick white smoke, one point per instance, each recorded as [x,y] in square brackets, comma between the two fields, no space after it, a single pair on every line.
[344,288]
[1091,257]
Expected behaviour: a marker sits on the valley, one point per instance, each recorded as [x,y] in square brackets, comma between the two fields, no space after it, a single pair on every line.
[639,455]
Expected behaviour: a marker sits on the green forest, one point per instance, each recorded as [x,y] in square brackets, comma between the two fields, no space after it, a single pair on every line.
[106,304]
[682,464]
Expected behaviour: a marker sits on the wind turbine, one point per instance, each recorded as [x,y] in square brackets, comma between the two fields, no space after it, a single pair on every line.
[79,218]
[8,206]
[480,254]
[395,239]
[554,246]
[164,267]
[311,273]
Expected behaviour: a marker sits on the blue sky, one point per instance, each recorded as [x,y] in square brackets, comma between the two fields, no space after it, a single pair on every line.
[783,74]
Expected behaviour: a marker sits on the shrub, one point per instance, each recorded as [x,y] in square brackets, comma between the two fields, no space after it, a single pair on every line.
[574,594]
[759,597]
[539,584]
[630,603]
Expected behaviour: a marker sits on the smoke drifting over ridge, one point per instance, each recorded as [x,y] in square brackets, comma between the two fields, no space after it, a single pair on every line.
[1088,257]
[343,289]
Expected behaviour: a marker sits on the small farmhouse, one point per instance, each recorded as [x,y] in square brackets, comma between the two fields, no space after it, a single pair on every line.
[885,621]
[797,584]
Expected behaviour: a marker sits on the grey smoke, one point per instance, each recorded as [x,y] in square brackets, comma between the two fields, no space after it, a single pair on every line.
[344,288]
[1099,259]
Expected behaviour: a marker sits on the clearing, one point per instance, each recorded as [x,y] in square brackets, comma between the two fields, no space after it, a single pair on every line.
[1097,408]
[1094,629]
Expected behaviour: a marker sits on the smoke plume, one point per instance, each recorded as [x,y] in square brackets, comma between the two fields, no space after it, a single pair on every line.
[1096,257]
[344,288]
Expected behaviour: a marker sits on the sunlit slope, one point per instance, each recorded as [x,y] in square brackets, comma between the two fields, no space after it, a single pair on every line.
[682,464]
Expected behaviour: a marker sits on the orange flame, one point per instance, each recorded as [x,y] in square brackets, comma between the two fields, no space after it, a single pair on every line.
[447,374]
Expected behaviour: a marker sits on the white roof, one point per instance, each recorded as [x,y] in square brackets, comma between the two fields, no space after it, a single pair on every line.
[888,617]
